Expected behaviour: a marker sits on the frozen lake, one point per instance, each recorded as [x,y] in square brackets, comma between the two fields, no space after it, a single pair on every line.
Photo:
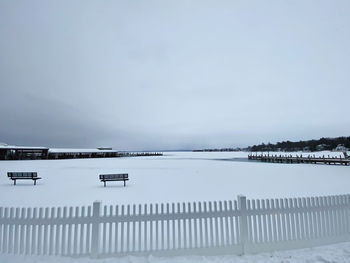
[174,177]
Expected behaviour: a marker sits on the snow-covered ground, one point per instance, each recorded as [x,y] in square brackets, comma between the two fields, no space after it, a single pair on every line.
[339,253]
[176,177]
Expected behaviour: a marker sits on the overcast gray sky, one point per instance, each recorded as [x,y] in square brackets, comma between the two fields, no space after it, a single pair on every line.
[178,74]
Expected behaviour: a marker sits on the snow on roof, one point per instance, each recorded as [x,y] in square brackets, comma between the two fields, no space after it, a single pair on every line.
[12,147]
[69,150]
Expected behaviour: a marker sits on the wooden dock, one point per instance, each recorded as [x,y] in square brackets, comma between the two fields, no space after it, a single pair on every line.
[299,159]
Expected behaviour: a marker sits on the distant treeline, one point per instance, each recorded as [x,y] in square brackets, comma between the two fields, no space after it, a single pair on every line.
[322,144]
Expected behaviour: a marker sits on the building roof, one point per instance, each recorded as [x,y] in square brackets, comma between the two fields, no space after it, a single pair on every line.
[10,147]
[69,150]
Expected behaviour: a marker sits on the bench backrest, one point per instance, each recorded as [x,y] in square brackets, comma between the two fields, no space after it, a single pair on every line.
[113,176]
[22,174]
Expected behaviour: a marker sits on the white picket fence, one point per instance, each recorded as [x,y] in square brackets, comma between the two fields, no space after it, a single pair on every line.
[228,227]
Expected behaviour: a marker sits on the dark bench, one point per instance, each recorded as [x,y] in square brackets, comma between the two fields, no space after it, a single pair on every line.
[23,176]
[113,177]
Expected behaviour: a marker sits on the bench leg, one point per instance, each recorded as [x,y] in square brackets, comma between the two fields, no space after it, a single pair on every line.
[14,182]
[34,182]
[104,183]
[124,183]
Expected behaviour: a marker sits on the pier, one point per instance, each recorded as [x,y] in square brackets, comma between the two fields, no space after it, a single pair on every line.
[299,159]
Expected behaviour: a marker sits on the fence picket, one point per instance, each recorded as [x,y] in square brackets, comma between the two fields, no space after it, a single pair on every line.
[339,222]
[45,232]
[184,227]
[88,231]
[133,230]
[273,221]
[278,220]
[264,221]
[34,233]
[151,237]
[318,218]
[221,224]
[1,231]
[156,247]
[259,223]
[173,226]
[82,232]
[336,210]
[122,225]
[308,223]
[297,219]
[128,230]
[330,216]
[231,235]
[117,226]
[57,232]
[189,223]
[162,228]
[286,219]
[254,224]
[22,232]
[237,230]
[139,229]
[227,231]
[341,212]
[206,229]
[211,226]
[347,213]
[167,227]
[15,231]
[28,232]
[145,229]
[195,240]
[345,216]
[314,218]
[11,231]
[333,216]
[269,221]
[324,217]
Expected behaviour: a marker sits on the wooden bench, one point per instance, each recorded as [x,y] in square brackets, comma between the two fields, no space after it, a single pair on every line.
[113,177]
[23,176]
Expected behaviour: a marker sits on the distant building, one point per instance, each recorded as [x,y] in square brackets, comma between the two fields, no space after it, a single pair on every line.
[22,152]
[104,148]
[306,149]
[341,148]
[36,153]
[321,147]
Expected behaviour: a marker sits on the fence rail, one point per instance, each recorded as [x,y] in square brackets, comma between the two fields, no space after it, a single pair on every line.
[233,227]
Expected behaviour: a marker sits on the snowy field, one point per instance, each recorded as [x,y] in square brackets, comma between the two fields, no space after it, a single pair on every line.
[174,177]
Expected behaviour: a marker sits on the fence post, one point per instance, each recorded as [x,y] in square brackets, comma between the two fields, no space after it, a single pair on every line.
[243,224]
[96,229]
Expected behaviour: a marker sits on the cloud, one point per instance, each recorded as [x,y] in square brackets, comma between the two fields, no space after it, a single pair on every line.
[172,75]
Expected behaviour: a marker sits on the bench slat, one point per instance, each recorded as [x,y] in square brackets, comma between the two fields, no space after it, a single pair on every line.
[22,174]
[113,176]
